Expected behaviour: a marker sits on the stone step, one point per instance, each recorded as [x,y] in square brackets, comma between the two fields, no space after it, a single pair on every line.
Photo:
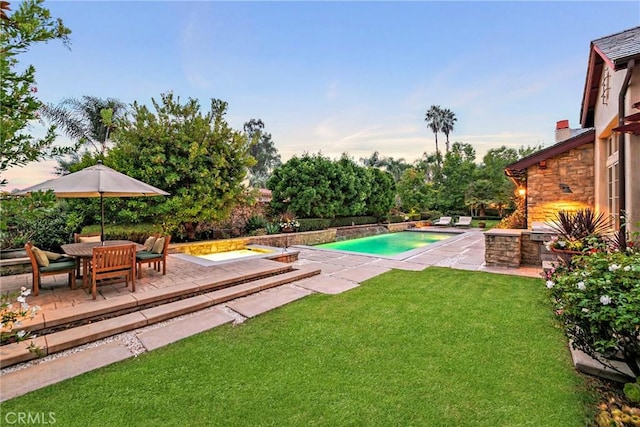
[547,265]
[74,336]
[122,304]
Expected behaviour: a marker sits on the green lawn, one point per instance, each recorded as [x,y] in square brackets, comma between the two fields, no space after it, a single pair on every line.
[439,347]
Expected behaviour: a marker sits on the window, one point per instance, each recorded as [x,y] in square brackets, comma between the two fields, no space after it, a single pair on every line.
[613,181]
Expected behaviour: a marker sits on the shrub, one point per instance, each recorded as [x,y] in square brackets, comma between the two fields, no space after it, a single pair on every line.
[272,227]
[38,218]
[313,224]
[580,230]
[132,232]
[597,297]
[353,220]
[516,220]
[255,222]
[428,215]
[396,218]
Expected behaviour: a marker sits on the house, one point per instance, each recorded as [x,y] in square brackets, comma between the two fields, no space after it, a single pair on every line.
[598,164]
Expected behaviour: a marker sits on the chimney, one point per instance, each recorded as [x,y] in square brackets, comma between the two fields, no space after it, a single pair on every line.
[562,130]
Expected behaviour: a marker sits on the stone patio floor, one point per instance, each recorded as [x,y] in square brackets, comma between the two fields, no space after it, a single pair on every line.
[339,272]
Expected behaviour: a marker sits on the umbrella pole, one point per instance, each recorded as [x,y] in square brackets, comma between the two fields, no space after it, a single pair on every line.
[101,218]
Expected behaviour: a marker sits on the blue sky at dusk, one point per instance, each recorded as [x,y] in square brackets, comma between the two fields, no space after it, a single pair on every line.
[337,77]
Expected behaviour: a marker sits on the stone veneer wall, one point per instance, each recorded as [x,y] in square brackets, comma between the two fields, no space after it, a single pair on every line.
[502,247]
[529,249]
[289,239]
[209,246]
[544,195]
[358,231]
[513,248]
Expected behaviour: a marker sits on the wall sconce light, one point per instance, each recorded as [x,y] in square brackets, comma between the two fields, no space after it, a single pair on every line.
[522,191]
[565,188]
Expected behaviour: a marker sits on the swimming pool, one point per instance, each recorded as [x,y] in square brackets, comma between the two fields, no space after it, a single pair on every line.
[389,245]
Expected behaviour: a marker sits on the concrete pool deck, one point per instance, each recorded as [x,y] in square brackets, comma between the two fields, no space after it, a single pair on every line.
[339,272]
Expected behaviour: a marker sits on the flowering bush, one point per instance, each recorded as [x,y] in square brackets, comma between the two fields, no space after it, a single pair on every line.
[11,316]
[288,221]
[597,297]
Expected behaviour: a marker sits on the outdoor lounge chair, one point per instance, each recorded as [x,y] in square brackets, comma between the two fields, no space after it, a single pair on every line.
[444,220]
[463,221]
[157,255]
[43,266]
[110,262]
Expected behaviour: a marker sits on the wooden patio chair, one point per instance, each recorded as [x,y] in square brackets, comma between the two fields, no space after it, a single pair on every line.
[157,255]
[111,262]
[85,238]
[42,266]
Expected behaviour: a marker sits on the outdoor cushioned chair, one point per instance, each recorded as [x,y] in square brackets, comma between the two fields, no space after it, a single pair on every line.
[444,220]
[86,238]
[110,262]
[156,255]
[46,263]
[464,221]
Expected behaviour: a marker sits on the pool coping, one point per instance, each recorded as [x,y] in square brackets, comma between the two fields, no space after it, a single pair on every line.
[456,235]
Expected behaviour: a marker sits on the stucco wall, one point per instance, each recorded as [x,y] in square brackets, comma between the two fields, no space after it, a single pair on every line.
[606,118]
[544,195]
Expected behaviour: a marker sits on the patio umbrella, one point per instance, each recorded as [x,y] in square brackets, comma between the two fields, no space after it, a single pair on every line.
[96,181]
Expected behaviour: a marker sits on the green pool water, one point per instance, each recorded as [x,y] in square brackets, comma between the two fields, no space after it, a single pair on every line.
[387,244]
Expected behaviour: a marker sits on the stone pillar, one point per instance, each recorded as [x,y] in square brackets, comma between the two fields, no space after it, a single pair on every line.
[502,247]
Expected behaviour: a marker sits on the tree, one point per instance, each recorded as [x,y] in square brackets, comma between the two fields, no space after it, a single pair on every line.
[29,24]
[457,170]
[198,158]
[395,167]
[373,161]
[313,186]
[382,192]
[448,123]
[414,192]
[352,187]
[305,187]
[433,117]
[492,170]
[89,120]
[264,152]
[478,195]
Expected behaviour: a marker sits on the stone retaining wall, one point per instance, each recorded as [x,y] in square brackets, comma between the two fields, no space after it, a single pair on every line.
[209,246]
[284,240]
[358,231]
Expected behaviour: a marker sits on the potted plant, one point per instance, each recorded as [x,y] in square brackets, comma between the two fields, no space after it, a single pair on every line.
[578,232]
[288,223]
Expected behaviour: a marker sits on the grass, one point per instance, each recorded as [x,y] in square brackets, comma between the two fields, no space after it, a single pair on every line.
[439,347]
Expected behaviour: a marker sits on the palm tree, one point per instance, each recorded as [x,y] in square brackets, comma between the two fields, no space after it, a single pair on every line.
[448,122]
[433,117]
[395,167]
[89,120]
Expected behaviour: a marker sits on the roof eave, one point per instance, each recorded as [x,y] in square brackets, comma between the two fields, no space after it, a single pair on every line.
[549,152]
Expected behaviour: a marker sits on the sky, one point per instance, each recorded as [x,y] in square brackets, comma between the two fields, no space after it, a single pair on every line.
[336,77]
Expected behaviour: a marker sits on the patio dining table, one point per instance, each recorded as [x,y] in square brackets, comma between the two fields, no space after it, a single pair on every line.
[84,252]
